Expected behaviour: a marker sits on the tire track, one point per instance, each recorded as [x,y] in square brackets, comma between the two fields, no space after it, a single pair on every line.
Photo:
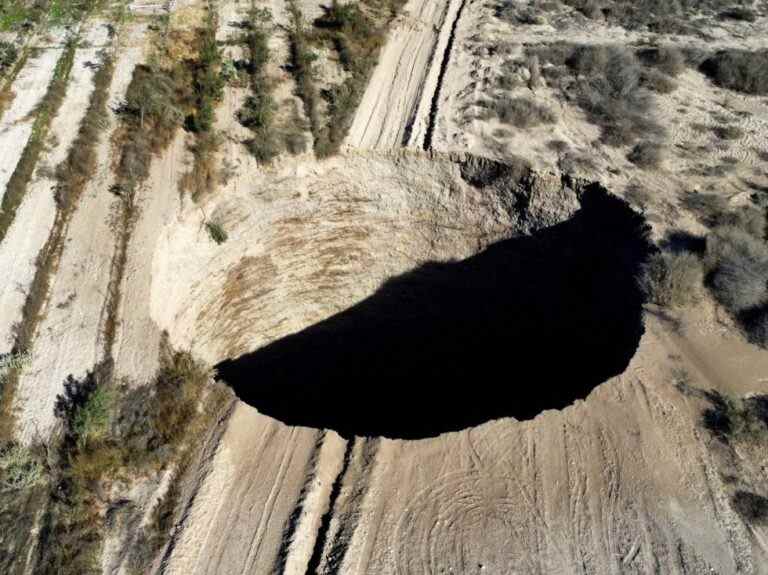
[325,522]
[441,78]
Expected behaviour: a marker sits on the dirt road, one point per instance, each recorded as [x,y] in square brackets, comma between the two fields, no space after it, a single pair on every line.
[397,107]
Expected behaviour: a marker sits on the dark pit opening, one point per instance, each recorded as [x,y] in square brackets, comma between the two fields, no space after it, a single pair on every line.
[529,324]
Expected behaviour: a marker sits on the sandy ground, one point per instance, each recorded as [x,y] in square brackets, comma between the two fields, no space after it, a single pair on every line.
[69,337]
[625,481]
[35,216]
[569,492]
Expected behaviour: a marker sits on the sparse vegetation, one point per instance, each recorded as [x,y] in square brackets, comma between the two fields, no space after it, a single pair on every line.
[357,35]
[71,178]
[208,84]
[302,68]
[658,16]
[44,114]
[207,79]
[608,85]
[672,279]
[739,70]
[204,175]
[116,433]
[258,111]
[356,32]
[736,260]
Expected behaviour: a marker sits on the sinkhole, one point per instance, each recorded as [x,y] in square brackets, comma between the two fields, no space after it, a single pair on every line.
[531,323]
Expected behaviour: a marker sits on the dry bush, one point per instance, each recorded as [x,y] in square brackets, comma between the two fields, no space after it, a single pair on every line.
[751,506]
[646,155]
[204,176]
[740,13]
[152,111]
[659,16]
[672,279]
[706,207]
[657,81]
[749,219]
[357,37]
[118,433]
[638,195]
[207,79]
[667,59]
[739,70]
[739,264]
[736,419]
[522,112]
[20,467]
[728,132]
[755,322]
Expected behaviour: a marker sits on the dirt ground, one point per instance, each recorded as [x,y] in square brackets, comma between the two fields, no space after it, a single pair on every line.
[624,480]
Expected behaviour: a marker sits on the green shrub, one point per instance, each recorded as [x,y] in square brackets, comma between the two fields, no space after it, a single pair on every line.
[258,111]
[90,421]
[20,468]
[207,78]
[8,56]
[216,232]
[672,279]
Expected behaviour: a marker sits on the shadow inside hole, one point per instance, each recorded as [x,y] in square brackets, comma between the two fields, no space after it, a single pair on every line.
[529,324]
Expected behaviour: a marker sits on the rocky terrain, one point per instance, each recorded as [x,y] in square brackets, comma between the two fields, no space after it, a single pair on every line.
[386,286]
